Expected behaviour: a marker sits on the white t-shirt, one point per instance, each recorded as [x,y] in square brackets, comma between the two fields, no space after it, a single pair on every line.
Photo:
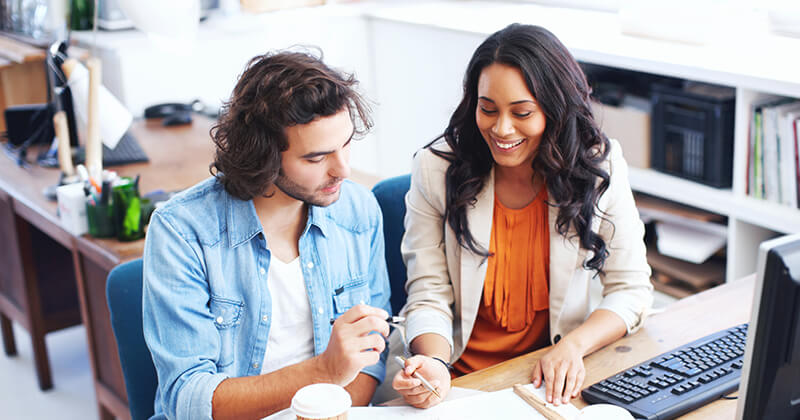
[291,334]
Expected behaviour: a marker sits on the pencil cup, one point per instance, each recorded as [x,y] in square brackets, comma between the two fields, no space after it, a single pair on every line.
[129,220]
[101,219]
[321,402]
[72,208]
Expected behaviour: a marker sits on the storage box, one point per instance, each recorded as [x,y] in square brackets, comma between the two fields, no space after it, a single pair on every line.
[629,126]
[693,132]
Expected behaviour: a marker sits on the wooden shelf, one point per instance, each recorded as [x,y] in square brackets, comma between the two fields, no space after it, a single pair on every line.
[681,190]
[761,213]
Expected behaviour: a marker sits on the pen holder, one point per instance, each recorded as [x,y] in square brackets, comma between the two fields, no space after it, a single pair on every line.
[101,219]
[129,217]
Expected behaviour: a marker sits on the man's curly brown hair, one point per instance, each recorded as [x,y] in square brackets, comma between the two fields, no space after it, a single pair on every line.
[277,90]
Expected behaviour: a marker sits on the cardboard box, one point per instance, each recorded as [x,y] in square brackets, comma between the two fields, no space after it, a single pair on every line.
[631,127]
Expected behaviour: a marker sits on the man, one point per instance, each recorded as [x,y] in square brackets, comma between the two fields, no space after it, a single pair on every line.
[244,272]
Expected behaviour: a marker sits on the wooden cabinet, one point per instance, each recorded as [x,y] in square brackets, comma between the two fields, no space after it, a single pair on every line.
[22,76]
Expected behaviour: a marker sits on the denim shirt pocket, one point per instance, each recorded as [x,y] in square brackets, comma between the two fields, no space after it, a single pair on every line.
[351,294]
[227,314]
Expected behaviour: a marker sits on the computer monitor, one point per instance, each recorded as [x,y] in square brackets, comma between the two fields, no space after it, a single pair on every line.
[770,384]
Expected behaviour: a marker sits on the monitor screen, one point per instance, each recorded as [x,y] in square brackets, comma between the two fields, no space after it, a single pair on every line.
[770,384]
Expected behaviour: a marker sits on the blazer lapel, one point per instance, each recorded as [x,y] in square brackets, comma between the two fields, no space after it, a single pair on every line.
[473,267]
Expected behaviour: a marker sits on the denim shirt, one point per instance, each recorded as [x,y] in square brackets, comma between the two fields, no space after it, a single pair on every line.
[207,310]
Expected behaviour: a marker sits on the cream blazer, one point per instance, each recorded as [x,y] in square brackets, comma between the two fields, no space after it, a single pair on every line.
[445,281]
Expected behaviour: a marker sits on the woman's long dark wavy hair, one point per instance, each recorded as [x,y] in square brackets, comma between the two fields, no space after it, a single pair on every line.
[572,147]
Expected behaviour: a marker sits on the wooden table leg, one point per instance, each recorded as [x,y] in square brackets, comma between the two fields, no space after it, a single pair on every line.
[105,414]
[9,345]
[42,360]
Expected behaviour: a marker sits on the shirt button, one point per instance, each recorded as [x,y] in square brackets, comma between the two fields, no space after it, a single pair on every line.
[220,320]
[264,318]
[320,309]
[310,265]
[255,365]
[262,271]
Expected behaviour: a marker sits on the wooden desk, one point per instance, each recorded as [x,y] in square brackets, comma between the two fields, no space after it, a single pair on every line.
[179,158]
[682,322]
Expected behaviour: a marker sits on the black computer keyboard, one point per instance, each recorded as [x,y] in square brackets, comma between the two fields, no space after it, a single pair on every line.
[127,151]
[677,381]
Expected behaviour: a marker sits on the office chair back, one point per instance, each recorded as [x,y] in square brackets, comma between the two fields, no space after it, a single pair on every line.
[391,195]
[124,294]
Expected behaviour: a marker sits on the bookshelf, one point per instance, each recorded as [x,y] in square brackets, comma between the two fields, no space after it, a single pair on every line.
[439,37]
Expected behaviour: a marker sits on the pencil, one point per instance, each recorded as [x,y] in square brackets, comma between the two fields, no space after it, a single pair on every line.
[402,362]
[391,320]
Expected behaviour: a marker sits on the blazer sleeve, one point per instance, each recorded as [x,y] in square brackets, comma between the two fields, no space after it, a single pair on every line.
[428,308]
[627,290]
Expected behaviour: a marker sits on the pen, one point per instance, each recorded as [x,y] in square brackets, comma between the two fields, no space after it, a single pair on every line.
[402,362]
[390,320]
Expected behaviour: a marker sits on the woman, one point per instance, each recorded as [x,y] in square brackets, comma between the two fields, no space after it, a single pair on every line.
[511,214]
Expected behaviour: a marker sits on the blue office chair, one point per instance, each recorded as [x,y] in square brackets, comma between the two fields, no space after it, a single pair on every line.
[391,195]
[124,294]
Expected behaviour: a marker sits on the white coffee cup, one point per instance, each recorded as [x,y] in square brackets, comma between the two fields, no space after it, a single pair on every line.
[604,412]
[321,402]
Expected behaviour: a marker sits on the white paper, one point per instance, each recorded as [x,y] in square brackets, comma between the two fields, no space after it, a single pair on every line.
[503,404]
[114,117]
[690,240]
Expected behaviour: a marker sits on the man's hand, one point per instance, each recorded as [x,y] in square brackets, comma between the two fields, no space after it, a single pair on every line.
[562,370]
[411,388]
[352,347]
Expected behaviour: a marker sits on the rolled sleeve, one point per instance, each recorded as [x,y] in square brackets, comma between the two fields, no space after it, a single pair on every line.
[425,321]
[194,400]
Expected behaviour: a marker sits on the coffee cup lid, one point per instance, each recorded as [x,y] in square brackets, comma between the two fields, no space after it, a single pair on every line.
[319,401]
[604,412]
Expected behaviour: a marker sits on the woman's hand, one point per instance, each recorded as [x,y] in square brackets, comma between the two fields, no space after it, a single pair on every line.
[411,388]
[562,371]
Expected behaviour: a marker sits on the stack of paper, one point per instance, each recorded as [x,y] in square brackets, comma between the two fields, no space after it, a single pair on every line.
[690,240]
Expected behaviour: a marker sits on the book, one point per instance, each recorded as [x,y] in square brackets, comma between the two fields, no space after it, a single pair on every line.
[758,181]
[764,182]
[787,180]
[797,157]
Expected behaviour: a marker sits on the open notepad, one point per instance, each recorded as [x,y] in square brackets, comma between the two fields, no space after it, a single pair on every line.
[460,405]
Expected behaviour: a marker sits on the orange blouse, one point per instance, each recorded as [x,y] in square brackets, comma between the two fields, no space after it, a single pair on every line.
[513,318]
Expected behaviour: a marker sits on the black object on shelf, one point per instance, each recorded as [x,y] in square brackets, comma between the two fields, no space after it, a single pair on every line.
[692,132]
